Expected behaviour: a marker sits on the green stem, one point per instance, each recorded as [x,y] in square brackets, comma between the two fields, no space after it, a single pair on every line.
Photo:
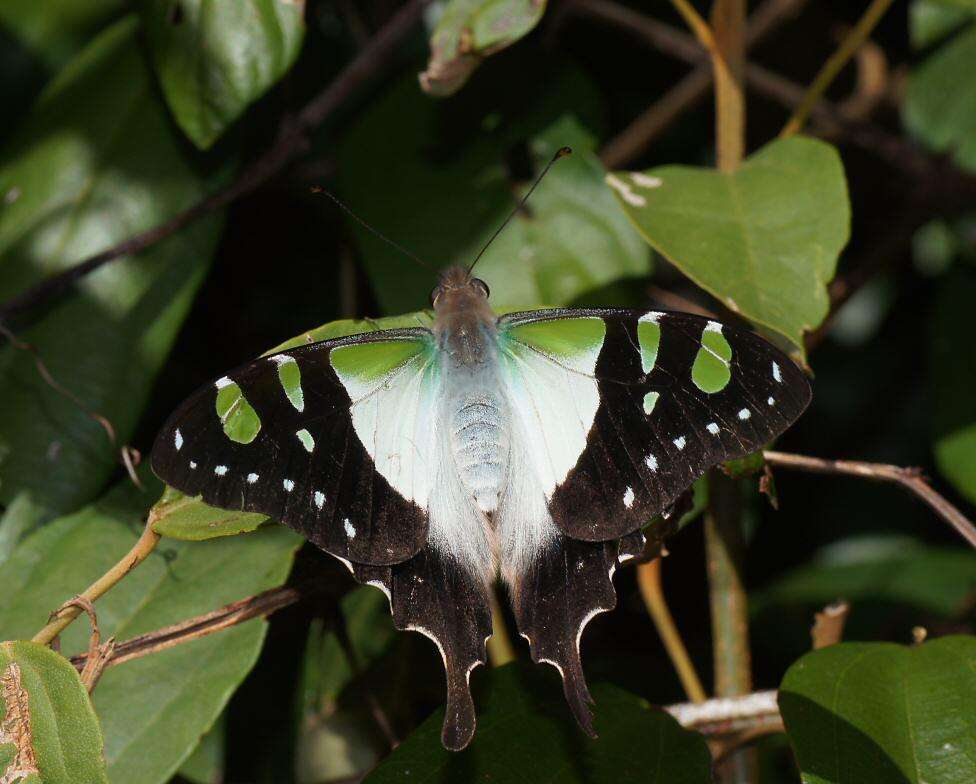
[500,650]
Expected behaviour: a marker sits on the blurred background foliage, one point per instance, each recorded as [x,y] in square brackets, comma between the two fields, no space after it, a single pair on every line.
[119,116]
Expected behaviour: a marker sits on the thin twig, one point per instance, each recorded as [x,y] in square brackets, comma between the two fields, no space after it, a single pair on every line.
[729,23]
[911,479]
[697,25]
[649,583]
[851,43]
[728,714]
[66,614]
[500,649]
[291,141]
[636,137]
[260,605]
[828,625]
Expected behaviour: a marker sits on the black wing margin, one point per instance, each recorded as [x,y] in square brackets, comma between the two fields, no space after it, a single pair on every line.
[321,483]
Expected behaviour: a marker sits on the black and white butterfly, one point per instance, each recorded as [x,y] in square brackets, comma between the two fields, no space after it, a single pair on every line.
[533,446]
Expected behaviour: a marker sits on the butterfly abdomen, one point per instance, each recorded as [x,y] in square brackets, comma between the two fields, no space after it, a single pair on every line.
[480,443]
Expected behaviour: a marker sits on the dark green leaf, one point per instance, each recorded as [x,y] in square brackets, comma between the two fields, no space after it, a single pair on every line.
[96,162]
[525,734]
[889,569]
[446,198]
[216,57]
[764,239]
[55,30]
[470,30]
[206,764]
[182,690]
[866,713]
[953,361]
[47,725]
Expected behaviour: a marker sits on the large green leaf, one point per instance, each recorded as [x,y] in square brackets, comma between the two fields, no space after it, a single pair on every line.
[55,29]
[96,162]
[470,30]
[216,57]
[953,376]
[445,190]
[154,709]
[525,734]
[763,239]
[878,713]
[48,730]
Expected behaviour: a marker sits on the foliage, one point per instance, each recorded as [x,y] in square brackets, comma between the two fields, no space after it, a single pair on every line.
[850,245]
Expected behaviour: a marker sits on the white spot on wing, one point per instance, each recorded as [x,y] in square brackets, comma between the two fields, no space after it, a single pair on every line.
[319,498]
[654,317]
[651,462]
[771,400]
[680,442]
[193,464]
[252,478]
[220,470]
[178,440]
[226,381]
[712,428]
[645,180]
[777,376]
[629,497]
[713,326]
[282,359]
[744,414]
[289,485]
[350,528]
[633,199]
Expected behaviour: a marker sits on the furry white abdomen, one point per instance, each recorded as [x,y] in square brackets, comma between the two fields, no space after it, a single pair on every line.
[480,444]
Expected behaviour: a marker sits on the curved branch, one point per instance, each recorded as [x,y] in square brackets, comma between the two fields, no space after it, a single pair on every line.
[911,479]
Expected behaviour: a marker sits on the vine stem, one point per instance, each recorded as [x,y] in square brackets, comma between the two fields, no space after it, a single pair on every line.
[500,649]
[649,583]
[63,617]
[729,61]
[912,479]
[828,72]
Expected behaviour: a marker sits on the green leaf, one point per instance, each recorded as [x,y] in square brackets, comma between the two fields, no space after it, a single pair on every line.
[182,517]
[48,730]
[953,360]
[890,569]
[525,734]
[180,691]
[763,239]
[470,30]
[96,162]
[860,713]
[449,196]
[931,20]
[939,106]
[55,30]
[206,764]
[216,57]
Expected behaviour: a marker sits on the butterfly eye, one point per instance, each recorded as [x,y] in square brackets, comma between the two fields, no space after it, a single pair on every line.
[482,285]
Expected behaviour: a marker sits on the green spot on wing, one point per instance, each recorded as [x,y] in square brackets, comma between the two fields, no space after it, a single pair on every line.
[306,438]
[650,400]
[710,371]
[290,377]
[241,422]
[562,338]
[649,340]
[367,363]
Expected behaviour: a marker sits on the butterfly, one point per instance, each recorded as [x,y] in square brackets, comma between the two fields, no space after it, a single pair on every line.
[533,446]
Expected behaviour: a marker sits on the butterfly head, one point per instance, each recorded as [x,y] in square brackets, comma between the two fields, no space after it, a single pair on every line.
[457,288]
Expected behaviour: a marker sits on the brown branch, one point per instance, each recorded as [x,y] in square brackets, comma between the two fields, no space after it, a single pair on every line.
[636,137]
[725,715]
[291,142]
[261,605]
[911,479]
[828,625]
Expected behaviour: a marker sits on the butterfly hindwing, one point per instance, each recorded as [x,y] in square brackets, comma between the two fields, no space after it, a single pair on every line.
[677,394]
[296,436]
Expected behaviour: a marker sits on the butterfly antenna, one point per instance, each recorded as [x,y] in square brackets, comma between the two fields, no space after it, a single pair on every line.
[370,229]
[562,152]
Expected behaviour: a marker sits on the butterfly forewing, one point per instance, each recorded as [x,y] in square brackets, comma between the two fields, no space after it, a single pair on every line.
[297,436]
[676,395]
